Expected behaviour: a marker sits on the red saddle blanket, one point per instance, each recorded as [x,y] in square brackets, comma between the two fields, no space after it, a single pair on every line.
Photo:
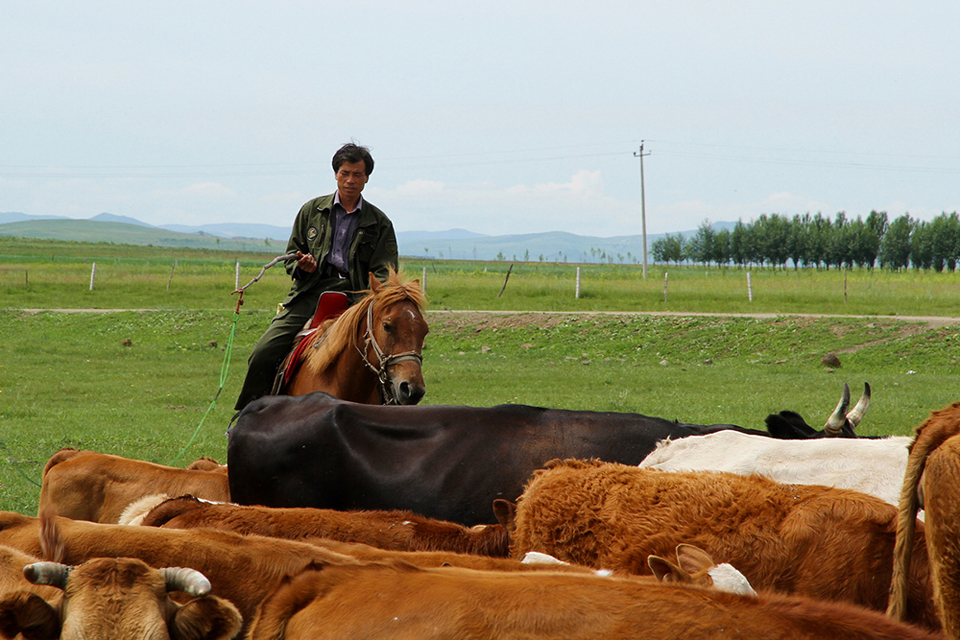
[330,305]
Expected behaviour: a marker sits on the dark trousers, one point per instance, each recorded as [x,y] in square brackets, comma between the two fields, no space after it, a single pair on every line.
[273,347]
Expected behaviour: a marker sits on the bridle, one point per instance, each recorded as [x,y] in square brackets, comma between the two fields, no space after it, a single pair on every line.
[385,361]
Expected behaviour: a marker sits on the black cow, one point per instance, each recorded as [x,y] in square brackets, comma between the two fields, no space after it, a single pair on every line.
[445,462]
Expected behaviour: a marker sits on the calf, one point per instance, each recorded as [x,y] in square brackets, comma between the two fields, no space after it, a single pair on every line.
[85,485]
[934,466]
[398,601]
[395,530]
[822,542]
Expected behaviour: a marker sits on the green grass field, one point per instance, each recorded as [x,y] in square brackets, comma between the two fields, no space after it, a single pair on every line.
[71,379]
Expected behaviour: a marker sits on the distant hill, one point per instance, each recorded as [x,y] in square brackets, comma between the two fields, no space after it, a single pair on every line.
[236,230]
[449,234]
[455,244]
[14,216]
[109,217]
[69,229]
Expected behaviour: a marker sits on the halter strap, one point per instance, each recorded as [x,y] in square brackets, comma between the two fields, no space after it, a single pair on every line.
[385,361]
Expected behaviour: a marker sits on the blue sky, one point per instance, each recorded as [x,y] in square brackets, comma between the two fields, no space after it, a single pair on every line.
[497,117]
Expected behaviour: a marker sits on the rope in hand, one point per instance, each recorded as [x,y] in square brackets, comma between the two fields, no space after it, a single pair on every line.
[228,351]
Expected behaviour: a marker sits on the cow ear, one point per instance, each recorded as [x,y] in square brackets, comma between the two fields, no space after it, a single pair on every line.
[506,513]
[206,618]
[694,559]
[27,613]
[666,571]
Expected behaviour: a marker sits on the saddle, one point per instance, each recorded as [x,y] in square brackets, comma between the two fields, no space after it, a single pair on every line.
[330,305]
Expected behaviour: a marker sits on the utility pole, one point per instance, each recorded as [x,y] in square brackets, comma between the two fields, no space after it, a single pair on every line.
[643,206]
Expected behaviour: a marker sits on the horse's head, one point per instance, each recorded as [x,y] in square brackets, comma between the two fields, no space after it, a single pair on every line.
[394,337]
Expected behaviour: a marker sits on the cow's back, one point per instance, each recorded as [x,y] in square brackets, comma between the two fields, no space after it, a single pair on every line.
[368,601]
[97,487]
[442,462]
[874,466]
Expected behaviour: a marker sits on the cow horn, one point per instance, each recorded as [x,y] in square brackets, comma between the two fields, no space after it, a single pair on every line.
[51,573]
[834,425]
[190,581]
[856,414]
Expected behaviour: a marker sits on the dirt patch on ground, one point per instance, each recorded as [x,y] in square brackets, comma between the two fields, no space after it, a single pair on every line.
[500,320]
[510,319]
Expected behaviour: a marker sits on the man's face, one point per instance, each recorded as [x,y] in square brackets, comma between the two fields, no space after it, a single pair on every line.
[351,176]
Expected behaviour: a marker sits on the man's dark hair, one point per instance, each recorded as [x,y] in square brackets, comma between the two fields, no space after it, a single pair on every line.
[353,153]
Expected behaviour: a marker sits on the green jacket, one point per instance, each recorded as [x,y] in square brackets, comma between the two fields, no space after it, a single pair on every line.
[374,249]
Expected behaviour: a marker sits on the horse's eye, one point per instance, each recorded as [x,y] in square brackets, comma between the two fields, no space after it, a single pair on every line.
[388,327]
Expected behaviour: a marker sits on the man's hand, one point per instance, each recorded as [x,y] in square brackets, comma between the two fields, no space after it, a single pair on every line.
[306,262]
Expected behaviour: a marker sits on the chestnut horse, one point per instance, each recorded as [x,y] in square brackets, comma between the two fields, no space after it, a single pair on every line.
[371,352]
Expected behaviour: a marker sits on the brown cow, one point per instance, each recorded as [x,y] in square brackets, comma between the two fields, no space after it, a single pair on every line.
[820,542]
[207,463]
[12,562]
[396,530]
[117,599]
[85,485]
[402,602]
[107,598]
[242,569]
[934,464]
[402,531]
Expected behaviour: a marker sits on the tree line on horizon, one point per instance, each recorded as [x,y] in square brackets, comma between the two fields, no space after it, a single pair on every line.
[817,241]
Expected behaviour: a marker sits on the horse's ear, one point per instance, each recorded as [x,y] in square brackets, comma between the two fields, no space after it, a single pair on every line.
[374,283]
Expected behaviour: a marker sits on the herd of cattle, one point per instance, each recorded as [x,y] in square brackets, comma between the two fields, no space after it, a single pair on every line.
[338,520]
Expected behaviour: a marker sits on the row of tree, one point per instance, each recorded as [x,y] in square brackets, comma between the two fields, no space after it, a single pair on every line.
[817,241]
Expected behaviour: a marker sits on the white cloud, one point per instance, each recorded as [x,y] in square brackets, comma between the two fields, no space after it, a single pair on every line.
[210,190]
[788,203]
[420,188]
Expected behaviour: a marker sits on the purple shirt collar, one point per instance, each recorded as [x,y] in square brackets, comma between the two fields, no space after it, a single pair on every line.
[336,200]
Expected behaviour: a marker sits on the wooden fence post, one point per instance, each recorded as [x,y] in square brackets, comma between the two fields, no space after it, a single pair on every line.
[93,273]
[170,279]
[236,288]
[576,290]
[845,286]
[749,288]
[423,280]
[664,286]
[505,280]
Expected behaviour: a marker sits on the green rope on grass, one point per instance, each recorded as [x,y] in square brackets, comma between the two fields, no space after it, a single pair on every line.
[224,368]
[16,464]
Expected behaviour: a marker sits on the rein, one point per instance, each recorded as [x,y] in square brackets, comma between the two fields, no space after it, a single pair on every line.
[385,361]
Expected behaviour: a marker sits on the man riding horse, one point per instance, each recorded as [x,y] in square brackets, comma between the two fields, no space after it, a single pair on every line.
[339,240]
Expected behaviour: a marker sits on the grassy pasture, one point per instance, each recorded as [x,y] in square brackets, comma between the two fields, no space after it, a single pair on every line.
[69,379]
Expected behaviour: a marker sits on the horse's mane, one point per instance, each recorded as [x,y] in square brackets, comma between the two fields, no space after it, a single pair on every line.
[336,335]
